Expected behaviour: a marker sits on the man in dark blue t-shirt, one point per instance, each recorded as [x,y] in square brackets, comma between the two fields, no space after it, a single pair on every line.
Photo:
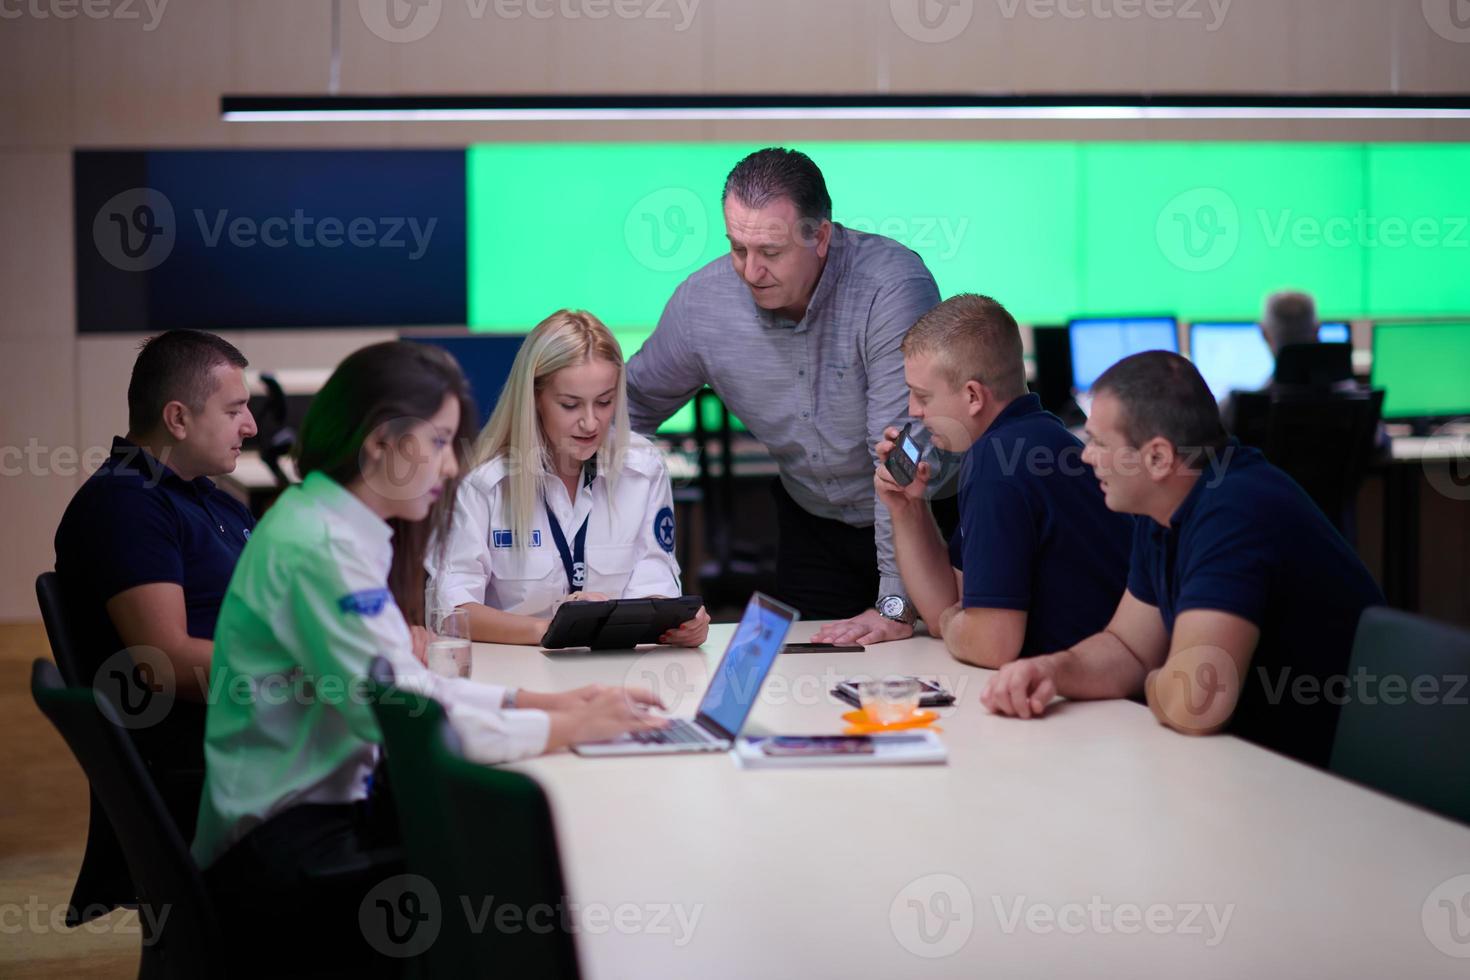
[146,548]
[1038,561]
[1239,588]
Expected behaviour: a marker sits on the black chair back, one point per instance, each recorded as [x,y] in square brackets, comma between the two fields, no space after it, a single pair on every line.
[104,881]
[180,933]
[1325,440]
[484,837]
[1314,365]
[1408,740]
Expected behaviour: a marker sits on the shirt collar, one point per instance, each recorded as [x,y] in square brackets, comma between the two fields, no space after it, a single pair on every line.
[129,457]
[1209,476]
[1018,408]
[358,516]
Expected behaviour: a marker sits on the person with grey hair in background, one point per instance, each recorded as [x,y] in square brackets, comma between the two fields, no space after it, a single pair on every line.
[1289,320]
[798,332]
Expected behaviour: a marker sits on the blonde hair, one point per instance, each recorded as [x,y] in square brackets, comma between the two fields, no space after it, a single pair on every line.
[565,339]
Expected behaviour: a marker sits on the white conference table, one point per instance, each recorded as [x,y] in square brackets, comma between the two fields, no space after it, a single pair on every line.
[1090,843]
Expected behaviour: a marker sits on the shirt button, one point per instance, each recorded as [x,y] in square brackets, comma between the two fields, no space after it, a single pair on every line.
[805,415]
[801,372]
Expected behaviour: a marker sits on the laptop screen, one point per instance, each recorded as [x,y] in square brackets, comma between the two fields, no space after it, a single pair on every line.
[742,670]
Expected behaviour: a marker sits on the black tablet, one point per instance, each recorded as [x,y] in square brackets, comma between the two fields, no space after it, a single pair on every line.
[617,624]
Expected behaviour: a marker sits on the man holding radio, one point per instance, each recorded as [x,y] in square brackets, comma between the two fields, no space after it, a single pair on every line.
[1038,556]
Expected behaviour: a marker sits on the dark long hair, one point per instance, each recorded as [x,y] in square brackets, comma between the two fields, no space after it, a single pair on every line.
[394,384]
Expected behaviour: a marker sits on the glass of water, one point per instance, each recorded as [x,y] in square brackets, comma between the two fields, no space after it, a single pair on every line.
[449,648]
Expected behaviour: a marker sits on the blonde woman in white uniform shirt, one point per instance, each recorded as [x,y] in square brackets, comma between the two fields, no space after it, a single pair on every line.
[565,504]
[332,577]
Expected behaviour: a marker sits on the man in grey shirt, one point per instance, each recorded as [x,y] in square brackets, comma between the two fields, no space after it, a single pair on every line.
[798,333]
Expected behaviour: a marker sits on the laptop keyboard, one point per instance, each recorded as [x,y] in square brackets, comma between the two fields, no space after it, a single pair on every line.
[679,732]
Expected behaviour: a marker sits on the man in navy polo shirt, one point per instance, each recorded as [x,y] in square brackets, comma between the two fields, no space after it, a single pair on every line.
[147,546]
[1038,561]
[1239,588]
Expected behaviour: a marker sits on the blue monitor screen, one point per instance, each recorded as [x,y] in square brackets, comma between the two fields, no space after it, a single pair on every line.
[743,668]
[1334,333]
[1231,356]
[1099,344]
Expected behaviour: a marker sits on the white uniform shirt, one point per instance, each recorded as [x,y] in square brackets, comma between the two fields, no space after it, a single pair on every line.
[629,549]
[289,721]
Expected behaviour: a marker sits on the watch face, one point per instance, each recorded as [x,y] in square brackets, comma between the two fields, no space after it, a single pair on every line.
[892,606]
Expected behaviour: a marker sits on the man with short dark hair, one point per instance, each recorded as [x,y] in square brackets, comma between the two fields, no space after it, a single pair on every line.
[146,548]
[798,333]
[1038,561]
[1239,590]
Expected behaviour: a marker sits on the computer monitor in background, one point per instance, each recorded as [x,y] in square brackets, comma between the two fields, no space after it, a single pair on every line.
[1334,333]
[485,359]
[1231,356]
[1098,344]
[1423,369]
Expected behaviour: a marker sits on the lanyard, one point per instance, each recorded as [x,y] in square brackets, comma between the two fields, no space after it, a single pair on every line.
[573,559]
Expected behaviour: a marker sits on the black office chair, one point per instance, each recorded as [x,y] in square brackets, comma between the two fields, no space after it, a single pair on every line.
[1314,365]
[275,435]
[1323,438]
[484,837]
[1398,744]
[104,881]
[181,936]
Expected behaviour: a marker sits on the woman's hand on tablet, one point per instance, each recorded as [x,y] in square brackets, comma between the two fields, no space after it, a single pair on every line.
[690,634]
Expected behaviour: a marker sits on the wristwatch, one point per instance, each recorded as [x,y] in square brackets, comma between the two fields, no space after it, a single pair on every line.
[512,694]
[898,609]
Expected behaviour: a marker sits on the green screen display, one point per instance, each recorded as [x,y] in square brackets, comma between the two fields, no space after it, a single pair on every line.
[1053,230]
[1423,367]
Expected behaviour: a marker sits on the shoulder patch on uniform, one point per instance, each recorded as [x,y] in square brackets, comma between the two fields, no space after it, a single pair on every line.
[368,602]
[663,529]
[501,538]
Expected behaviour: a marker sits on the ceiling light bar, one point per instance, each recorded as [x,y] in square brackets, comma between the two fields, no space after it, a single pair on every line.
[615,108]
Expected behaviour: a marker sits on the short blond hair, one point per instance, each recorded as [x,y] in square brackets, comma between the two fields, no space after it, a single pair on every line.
[972,338]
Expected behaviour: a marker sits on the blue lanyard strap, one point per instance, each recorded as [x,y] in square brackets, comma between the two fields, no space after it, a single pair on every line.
[573,559]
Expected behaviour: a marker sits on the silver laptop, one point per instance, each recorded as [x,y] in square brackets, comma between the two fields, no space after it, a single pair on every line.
[731,694]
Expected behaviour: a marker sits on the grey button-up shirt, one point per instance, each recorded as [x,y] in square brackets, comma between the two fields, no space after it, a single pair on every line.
[817,393]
